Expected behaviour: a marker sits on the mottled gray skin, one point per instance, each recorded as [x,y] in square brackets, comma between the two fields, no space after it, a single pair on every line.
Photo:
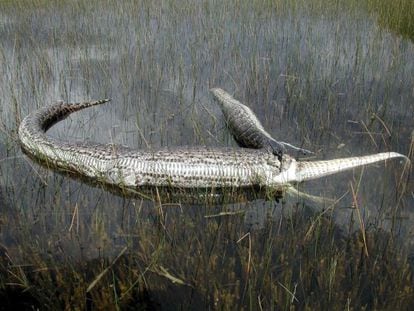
[246,127]
[180,167]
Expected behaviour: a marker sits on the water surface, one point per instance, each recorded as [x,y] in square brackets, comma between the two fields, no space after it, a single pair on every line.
[335,83]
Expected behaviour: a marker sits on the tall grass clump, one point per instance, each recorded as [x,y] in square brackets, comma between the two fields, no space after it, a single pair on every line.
[398,15]
[183,259]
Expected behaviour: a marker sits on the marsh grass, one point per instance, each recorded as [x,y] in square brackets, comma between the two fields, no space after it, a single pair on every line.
[395,15]
[171,263]
[321,74]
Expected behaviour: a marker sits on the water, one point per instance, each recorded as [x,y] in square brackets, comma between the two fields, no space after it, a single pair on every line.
[313,81]
[335,83]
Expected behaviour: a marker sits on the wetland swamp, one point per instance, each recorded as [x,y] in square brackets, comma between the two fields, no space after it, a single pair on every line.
[335,77]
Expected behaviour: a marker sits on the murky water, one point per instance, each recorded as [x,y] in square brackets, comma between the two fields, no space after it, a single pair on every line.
[338,85]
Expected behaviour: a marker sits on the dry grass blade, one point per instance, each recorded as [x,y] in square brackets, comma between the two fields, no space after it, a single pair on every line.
[225,214]
[102,274]
[361,221]
[370,134]
[249,259]
[165,273]
[75,215]
[314,223]
[290,292]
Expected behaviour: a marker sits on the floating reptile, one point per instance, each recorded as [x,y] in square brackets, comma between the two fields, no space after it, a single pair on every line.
[180,167]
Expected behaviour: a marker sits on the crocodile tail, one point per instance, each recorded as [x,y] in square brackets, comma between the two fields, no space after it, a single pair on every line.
[312,170]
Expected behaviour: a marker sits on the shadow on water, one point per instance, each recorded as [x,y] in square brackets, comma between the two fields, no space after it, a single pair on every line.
[329,80]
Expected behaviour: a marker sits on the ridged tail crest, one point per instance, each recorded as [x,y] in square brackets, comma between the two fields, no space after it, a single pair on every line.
[316,169]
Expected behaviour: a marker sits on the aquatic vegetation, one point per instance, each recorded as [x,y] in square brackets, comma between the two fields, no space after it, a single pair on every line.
[397,16]
[299,261]
[327,74]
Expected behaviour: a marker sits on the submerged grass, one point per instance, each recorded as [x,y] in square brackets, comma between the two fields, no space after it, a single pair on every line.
[318,73]
[180,260]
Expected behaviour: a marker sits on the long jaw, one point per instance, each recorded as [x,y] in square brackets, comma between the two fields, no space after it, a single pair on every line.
[304,170]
